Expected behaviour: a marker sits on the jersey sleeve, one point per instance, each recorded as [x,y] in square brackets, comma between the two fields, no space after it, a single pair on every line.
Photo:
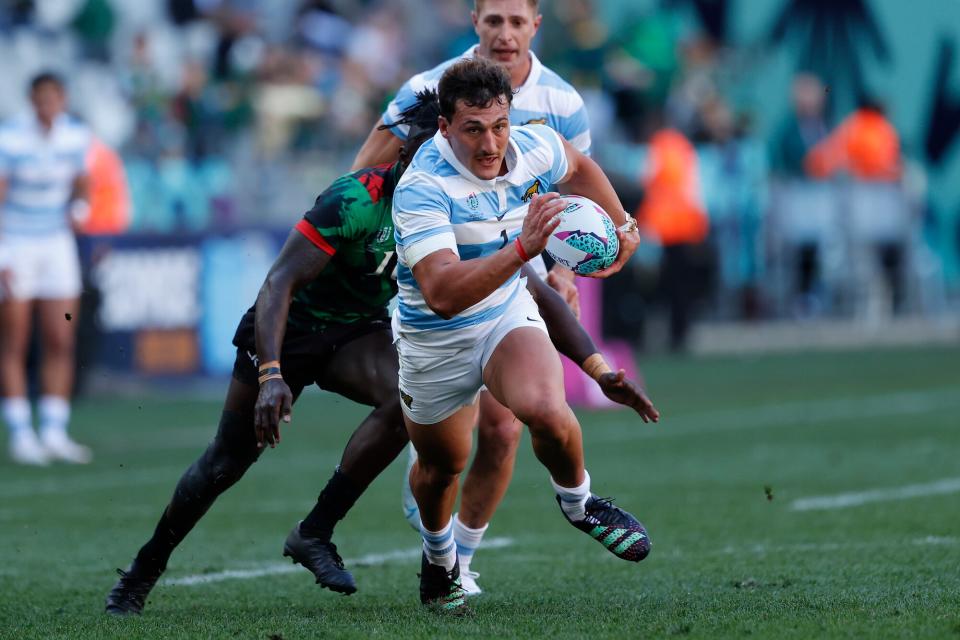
[406,97]
[576,129]
[421,219]
[340,214]
[553,153]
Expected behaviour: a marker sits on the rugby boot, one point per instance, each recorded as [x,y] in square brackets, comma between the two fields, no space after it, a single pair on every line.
[320,556]
[441,589]
[130,593]
[618,531]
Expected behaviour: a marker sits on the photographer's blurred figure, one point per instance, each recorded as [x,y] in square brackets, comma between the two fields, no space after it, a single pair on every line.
[43,187]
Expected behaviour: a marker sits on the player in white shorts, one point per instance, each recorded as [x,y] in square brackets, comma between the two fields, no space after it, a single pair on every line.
[465,319]
[505,29]
[42,193]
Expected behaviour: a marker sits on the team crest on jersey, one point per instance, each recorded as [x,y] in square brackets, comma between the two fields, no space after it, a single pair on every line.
[536,121]
[473,201]
[407,399]
[384,234]
[531,191]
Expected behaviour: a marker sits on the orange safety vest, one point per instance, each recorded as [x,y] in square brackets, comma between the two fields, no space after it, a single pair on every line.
[865,144]
[108,192]
[672,209]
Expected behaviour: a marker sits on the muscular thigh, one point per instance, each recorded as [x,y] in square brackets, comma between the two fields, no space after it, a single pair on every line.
[363,370]
[523,366]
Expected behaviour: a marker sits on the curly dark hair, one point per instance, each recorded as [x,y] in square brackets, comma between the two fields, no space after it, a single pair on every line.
[476,81]
[423,120]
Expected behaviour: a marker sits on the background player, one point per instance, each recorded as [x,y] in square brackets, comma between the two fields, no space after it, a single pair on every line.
[505,29]
[464,319]
[43,194]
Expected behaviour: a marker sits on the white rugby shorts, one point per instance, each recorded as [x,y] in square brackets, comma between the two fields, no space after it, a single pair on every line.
[41,267]
[436,382]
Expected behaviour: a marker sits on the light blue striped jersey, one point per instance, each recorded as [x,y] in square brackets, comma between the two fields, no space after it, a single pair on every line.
[544,98]
[39,169]
[439,204]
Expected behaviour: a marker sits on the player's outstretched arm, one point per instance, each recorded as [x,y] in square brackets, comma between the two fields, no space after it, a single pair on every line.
[450,285]
[380,146]
[572,340]
[299,262]
[586,178]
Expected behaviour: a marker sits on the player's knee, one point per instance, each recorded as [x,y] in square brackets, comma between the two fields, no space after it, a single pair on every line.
[499,439]
[390,417]
[546,416]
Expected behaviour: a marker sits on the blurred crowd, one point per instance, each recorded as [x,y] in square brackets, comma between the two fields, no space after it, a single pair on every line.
[236,112]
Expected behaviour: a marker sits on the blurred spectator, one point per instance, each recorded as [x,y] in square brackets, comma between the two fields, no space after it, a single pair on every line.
[672,212]
[802,129]
[109,195]
[94,24]
[865,145]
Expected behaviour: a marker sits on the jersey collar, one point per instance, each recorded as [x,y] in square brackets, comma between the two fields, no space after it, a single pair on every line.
[515,165]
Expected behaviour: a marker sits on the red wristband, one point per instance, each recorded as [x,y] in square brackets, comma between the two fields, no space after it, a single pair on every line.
[520,252]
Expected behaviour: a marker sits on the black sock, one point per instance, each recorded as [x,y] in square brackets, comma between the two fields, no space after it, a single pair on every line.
[335,500]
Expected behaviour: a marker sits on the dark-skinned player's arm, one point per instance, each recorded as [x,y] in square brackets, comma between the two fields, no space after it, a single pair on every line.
[450,285]
[300,261]
[381,146]
[585,178]
[572,340]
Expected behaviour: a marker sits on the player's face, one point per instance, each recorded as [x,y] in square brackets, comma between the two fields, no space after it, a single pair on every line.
[479,136]
[505,29]
[48,101]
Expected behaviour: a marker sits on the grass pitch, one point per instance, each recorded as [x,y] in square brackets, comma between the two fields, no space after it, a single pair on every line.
[802,496]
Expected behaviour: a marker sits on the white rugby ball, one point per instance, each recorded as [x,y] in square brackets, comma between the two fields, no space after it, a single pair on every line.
[586,240]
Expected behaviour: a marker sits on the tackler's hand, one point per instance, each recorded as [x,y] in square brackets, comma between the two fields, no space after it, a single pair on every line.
[622,390]
[274,404]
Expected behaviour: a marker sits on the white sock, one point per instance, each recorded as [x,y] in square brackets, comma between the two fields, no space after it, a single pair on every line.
[16,413]
[468,541]
[439,546]
[54,415]
[573,499]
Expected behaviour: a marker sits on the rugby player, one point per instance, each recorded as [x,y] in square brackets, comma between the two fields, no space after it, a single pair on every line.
[505,30]
[465,320]
[43,196]
[322,312]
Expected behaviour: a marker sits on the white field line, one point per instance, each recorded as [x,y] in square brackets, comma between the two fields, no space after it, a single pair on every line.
[890,405]
[369,560]
[855,499]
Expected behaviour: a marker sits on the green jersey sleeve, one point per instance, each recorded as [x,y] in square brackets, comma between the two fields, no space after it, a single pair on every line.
[342,213]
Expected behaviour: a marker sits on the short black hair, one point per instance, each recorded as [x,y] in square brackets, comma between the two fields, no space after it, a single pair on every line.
[422,118]
[46,77]
[476,81]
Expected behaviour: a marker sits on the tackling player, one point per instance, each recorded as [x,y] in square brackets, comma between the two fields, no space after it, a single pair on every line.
[465,320]
[322,312]
[505,29]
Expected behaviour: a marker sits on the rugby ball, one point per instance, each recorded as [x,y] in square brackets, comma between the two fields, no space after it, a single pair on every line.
[586,240]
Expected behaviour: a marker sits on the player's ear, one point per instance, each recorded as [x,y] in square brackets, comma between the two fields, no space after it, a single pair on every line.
[537,19]
[475,19]
[444,126]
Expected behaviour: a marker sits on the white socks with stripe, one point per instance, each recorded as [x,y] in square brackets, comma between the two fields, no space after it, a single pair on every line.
[574,499]
[468,540]
[439,546]
[17,415]
[54,416]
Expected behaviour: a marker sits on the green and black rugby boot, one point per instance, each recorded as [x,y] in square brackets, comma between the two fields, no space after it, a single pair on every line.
[441,590]
[614,528]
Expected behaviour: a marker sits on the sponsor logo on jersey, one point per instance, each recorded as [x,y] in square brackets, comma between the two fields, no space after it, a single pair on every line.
[536,121]
[531,191]
[384,234]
